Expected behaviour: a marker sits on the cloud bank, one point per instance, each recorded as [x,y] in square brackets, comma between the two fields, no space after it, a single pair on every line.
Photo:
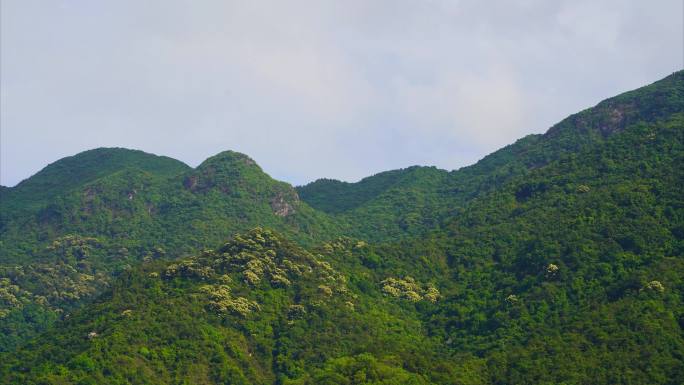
[311,89]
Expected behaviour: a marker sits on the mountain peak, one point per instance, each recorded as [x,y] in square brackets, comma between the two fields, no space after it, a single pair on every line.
[95,163]
[231,172]
[236,174]
[229,158]
[88,166]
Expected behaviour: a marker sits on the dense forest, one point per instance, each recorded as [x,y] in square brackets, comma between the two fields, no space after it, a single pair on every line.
[558,259]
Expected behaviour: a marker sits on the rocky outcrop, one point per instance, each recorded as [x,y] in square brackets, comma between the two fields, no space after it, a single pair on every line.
[283,204]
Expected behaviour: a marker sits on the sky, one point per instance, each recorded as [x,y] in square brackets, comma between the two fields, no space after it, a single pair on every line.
[312,89]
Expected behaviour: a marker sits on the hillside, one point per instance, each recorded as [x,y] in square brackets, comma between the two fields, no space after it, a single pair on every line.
[334,196]
[587,253]
[415,200]
[130,202]
[123,214]
[577,266]
[257,310]
[557,259]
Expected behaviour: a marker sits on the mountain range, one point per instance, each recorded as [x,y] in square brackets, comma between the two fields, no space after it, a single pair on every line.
[558,259]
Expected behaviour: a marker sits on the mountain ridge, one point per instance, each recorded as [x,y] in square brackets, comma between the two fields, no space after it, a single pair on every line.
[608,122]
[556,259]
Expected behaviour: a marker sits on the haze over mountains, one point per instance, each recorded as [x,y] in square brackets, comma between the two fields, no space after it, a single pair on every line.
[556,259]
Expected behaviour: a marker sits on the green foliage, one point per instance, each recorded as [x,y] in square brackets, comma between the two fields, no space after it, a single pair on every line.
[170,328]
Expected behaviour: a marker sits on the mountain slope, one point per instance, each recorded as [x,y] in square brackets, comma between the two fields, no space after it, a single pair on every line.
[577,266]
[380,208]
[257,310]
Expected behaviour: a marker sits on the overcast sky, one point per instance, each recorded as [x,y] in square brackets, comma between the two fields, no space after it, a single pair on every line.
[310,89]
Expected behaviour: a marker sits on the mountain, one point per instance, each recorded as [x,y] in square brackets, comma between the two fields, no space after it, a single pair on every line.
[385,206]
[62,243]
[576,266]
[334,196]
[62,196]
[79,170]
[417,199]
[557,259]
[140,201]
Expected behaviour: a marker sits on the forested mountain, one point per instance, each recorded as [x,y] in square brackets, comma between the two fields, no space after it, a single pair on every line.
[134,196]
[76,171]
[395,203]
[62,242]
[557,259]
